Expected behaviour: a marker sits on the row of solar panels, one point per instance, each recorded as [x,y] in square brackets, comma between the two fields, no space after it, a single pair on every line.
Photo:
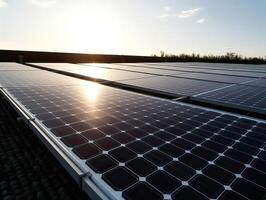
[239,89]
[211,66]
[119,144]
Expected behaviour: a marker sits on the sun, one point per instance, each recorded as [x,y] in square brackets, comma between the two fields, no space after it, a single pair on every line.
[92,30]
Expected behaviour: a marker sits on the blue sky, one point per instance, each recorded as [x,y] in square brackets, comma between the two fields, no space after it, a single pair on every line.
[138,27]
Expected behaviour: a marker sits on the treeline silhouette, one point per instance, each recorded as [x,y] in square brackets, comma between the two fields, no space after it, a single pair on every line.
[229,57]
[40,56]
[37,56]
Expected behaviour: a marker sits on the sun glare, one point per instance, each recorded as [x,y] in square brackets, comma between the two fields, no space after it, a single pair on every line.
[92,30]
[91,91]
[93,72]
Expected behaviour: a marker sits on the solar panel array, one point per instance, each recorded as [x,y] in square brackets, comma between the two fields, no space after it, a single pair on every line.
[214,83]
[209,70]
[97,73]
[213,66]
[135,146]
[143,148]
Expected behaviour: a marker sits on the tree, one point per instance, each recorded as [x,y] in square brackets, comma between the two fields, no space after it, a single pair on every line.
[162,54]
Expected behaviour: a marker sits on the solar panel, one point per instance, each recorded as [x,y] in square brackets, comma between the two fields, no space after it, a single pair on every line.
[244,97]
[162,85]
[34,78]
[216,77]
[102,74]
[7,66]
[247,67]
[239,73]
[215,66]
[111,74]
[135,146]
[136,69]
[175,86]
[61,66]
[166,67]
[187,86]
[257,83]
[122,73]
[255,74]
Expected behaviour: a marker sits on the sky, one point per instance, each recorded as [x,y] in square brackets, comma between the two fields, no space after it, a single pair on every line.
[135,27]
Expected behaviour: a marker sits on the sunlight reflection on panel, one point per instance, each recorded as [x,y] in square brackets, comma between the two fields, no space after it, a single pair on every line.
[98,64]
[91,91]
[94,72]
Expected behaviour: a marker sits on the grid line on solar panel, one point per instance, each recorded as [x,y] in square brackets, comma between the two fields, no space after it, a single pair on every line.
[190,132]
[245,97]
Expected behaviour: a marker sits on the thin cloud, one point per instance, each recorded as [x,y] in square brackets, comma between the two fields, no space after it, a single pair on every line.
[183,14]
[166,13]
[42,3]
[167,8]
[163,16]
[2,3]
[188,13]
[201,21]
